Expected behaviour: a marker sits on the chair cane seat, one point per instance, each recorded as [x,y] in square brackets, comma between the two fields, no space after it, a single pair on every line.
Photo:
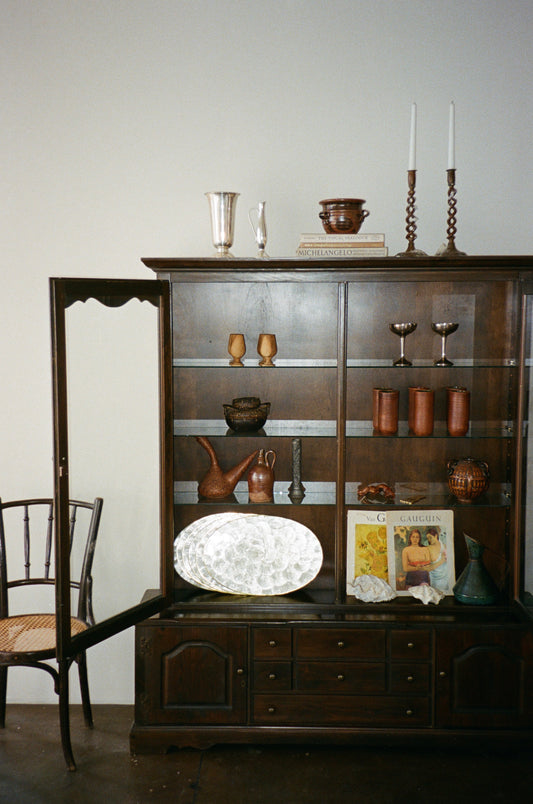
[29,633]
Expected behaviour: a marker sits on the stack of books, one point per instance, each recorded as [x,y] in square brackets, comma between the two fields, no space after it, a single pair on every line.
[346,246]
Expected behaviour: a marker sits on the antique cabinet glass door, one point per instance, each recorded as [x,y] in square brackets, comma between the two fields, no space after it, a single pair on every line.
[524,514]
[113,439]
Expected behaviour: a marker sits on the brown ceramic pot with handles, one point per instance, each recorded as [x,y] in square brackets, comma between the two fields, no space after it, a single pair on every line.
[342,215]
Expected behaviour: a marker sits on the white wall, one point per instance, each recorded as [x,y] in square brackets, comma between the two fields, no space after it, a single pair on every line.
[117,116]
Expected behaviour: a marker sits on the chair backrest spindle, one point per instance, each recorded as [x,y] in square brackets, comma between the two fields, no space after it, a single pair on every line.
[26,521]
[35,524]
[48,547]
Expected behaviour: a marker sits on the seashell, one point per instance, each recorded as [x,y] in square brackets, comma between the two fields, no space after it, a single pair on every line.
[371,589]
[427,594]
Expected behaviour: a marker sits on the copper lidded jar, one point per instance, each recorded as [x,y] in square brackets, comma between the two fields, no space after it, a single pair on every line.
[457,410]
[468,478]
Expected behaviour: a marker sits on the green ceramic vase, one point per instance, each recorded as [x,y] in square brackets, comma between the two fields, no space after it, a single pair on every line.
[474,585]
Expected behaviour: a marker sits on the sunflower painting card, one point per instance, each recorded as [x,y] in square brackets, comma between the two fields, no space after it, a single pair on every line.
[366,546]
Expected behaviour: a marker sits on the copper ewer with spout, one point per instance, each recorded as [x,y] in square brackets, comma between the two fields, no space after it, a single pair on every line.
[217,484]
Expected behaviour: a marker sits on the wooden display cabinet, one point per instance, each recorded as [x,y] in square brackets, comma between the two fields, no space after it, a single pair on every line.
[319,665]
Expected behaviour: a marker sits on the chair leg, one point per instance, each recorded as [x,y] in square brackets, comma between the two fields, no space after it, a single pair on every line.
[81,659]
[64,715]
[3,693]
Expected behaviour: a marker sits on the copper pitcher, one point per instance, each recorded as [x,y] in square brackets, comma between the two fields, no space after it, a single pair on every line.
[261,478]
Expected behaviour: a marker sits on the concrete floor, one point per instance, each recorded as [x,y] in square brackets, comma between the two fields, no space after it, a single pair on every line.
[32,769]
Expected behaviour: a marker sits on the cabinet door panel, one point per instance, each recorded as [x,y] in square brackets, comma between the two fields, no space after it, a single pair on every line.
[484,679]
[192,674]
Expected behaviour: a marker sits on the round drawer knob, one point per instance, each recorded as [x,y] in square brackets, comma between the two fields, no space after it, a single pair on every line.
[340,644]
[272,676]
[410,645]
[442,674]
[272,643]
[341,677]
[240,671]
[271,709]
[410,678]
[409,712]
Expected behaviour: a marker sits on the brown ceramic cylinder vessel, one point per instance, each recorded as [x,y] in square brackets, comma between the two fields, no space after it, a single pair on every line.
[375,407]
[423,410]
[411,402]
[457,410]
[388,411]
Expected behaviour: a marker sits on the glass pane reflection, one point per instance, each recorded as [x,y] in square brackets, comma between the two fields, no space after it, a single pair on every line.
[113,414]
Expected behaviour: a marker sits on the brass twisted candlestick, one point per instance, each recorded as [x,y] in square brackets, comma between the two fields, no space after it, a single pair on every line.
[450,250]
[411,219]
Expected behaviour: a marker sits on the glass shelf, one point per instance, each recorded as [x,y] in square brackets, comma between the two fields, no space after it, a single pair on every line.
[281,427]
[363,429]
[363,363]
[186,493]
[253,362]
[318,428]
[432,495]
[482,362]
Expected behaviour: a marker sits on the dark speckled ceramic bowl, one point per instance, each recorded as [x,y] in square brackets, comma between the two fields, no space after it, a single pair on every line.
[247,414]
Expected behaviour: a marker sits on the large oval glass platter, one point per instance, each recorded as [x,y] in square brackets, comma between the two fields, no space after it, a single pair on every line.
[187,547]
[247,554]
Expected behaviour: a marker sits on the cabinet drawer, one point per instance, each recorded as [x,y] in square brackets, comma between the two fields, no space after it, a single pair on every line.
[341,710]
[333,643]
[272,643]
[410,644]
[406,677]
[271,676]
[359,677]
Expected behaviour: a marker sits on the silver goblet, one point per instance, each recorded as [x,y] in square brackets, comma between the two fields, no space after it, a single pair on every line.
[403,330]
[443,329]
[222,211]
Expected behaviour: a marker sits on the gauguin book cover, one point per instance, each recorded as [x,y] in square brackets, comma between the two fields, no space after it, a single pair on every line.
[404,548]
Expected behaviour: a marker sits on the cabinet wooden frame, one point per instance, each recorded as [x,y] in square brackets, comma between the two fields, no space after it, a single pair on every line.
[341,344]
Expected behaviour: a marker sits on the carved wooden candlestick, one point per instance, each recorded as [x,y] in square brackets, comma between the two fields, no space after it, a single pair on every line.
[450,250]
[411,219]
[296,489]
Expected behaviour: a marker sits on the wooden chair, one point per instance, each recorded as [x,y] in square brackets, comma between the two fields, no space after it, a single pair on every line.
[29,639]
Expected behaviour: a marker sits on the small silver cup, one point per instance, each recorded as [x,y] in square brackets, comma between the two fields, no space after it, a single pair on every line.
[222,209]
